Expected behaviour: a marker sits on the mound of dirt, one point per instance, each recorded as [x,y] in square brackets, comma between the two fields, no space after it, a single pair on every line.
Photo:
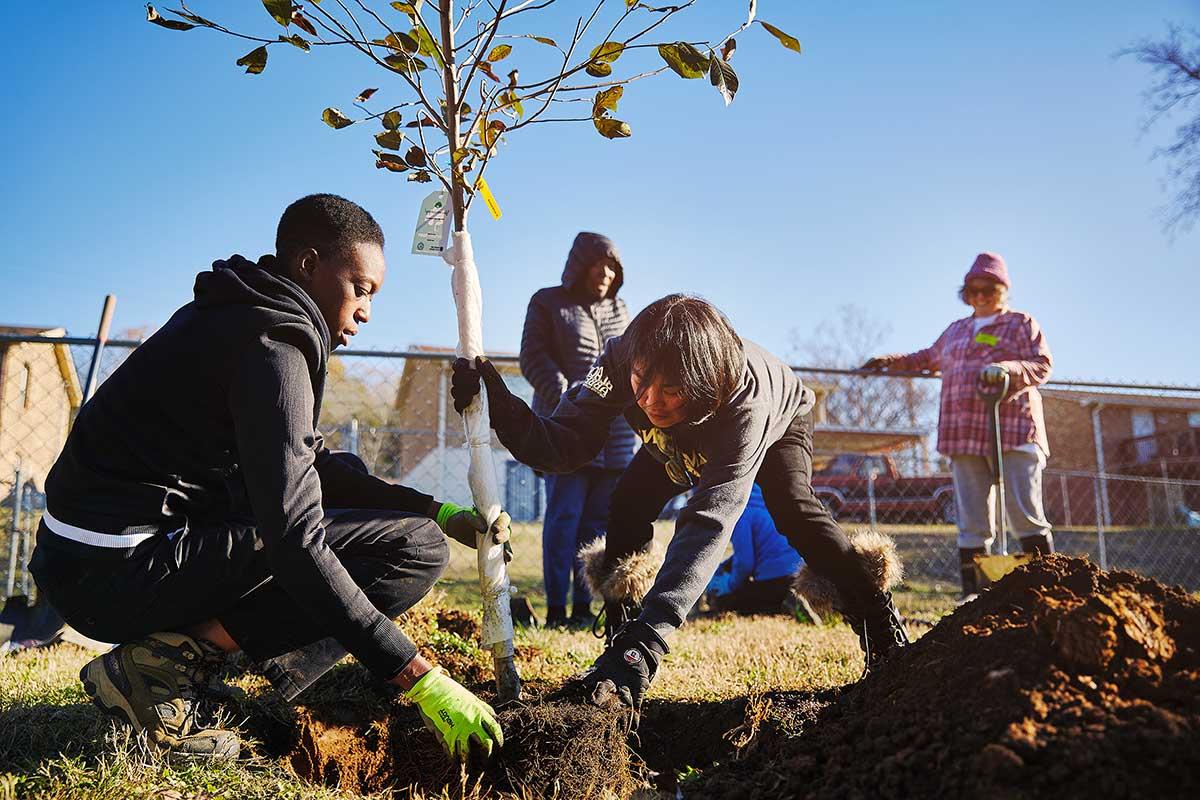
[1060,681]
[551,749]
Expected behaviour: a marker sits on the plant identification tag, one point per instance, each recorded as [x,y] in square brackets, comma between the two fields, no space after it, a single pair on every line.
[429,238]
[485,192]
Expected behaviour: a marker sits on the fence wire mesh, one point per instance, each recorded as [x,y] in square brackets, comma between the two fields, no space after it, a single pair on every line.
[1122,485]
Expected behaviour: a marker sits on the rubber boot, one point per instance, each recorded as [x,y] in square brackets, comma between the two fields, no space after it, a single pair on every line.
[968,570]
[581,616]
[880,630]
[615,615]
[1042,544]
[556,617]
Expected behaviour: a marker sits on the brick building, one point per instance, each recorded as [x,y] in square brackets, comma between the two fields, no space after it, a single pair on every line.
[1121,434]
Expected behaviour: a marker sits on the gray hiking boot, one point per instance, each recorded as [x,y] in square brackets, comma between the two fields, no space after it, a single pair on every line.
[156,685]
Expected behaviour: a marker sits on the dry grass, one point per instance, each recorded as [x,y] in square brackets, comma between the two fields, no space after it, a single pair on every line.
[54,744]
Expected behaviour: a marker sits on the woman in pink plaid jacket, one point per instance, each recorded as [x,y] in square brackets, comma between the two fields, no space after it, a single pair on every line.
[994,341]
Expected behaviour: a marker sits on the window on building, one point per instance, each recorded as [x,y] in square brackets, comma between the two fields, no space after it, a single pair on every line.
[1194,419]
[1145,444]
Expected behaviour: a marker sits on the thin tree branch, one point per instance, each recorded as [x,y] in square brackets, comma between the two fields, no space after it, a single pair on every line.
[528,5]
[465,86]
[366,48]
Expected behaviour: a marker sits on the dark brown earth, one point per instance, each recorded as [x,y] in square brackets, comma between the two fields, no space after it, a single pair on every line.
[551,749]
[1061,681]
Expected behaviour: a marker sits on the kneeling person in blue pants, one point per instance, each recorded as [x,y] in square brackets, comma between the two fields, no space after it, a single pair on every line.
[195,511]
[757,578]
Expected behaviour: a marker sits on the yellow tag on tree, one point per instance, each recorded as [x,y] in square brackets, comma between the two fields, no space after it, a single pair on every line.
[986,338]
[486,193]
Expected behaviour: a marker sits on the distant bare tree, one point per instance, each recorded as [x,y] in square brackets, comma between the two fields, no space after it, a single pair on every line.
[845,342]
[1175,63]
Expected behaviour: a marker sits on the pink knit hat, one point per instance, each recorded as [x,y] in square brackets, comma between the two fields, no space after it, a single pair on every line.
[990,266]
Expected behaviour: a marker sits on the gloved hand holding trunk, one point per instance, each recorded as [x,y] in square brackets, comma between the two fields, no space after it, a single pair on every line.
[505,409]
[463,524]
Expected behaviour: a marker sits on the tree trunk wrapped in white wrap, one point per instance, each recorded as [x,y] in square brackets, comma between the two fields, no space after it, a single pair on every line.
[493,576]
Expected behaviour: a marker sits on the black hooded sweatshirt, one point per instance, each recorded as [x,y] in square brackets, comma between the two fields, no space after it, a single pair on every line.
[214,418]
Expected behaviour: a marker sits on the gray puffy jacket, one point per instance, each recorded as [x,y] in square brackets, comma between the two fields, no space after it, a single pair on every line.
[565,333]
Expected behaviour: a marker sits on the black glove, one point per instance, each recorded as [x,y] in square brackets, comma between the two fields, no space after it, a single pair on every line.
[625,669]
[504,408]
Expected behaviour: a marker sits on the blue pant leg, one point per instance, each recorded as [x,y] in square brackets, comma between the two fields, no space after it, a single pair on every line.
[592,524]
[565,498]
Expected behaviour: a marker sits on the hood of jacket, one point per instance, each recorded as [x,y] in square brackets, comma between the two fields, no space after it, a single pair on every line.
[586,250]
[286,309]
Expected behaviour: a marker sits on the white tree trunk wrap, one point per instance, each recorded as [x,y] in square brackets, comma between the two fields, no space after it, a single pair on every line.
[493,576]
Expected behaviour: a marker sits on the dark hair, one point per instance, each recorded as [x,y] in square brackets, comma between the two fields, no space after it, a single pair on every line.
[325,222]
[687,341]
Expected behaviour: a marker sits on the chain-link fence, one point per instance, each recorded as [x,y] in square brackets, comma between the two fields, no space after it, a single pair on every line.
[1122,484]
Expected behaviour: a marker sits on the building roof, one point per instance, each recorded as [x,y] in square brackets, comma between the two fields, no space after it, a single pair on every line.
[31,330]
[845,439]
[1175,402]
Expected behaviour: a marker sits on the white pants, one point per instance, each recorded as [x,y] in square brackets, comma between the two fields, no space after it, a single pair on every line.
[974,491]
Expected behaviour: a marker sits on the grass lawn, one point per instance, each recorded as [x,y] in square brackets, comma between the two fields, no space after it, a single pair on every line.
[54,744]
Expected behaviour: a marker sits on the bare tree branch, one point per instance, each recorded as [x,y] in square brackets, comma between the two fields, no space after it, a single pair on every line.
[528,5]
[1175,64]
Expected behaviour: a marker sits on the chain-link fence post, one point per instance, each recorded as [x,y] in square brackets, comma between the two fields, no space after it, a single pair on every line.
[874,474]
[26,533]
[14,528]
[1100,487]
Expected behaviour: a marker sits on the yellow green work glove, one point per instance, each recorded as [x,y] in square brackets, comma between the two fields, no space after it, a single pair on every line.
[454,715]
[463,525]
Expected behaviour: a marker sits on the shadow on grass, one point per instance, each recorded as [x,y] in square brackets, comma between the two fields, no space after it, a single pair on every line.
[32,734]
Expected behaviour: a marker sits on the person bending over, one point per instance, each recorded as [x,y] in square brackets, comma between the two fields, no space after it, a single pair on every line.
[195,511]
[715,415]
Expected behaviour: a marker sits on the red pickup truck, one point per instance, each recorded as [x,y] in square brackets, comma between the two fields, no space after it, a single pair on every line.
[843,483]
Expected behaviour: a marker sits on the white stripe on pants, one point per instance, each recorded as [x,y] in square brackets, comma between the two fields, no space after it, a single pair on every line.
[974,493]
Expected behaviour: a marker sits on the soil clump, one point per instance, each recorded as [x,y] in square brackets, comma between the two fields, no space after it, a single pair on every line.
[1060,681]
[551,749]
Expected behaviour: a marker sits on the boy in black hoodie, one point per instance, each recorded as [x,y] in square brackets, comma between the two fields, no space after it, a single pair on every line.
[195,511]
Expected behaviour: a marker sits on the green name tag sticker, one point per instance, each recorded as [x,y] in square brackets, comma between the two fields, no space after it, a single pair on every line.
[986,338]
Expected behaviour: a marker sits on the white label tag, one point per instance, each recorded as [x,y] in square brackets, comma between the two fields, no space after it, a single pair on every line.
[428,239]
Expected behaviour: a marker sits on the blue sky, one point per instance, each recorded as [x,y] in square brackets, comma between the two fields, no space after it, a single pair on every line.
[870,170]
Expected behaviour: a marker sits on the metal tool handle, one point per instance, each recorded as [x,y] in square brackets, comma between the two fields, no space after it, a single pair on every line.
[995,394]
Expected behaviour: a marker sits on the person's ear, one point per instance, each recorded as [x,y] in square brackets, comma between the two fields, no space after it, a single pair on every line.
[306,264]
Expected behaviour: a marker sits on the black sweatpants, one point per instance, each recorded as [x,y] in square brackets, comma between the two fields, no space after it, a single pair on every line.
[220,572]
[785,478]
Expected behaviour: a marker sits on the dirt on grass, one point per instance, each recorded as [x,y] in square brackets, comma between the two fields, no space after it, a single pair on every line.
[551,749]
[1060,681]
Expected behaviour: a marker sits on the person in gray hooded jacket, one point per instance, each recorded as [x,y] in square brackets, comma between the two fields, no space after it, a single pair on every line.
[566,328]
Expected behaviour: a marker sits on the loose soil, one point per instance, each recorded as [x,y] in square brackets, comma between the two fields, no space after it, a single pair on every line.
[1060,681]
[551,749]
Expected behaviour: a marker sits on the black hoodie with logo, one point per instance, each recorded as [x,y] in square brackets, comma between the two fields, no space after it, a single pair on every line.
[718,458]
[214,418]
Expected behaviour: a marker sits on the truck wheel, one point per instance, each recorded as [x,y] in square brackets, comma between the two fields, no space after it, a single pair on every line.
[949,509]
